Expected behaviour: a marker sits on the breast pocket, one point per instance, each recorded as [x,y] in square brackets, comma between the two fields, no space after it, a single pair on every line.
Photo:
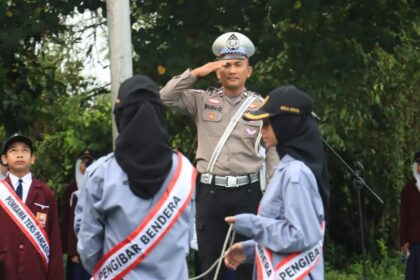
[211,123]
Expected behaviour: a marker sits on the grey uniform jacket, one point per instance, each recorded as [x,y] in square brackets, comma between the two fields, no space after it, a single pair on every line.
[212,111]
[290,214]
[107,212]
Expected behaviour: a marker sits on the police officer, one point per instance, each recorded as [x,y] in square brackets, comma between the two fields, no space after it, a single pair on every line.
[227,156]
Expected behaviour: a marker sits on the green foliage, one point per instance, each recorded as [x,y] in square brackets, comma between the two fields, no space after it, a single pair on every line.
[73,129]
[387,267]
[29,74]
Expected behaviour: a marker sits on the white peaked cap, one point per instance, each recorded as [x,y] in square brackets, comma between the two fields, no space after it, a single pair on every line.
[233,45]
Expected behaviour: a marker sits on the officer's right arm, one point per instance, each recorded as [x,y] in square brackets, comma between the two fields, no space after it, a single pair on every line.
[177,93]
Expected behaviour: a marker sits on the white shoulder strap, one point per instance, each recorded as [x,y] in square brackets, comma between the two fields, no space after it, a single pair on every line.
[228,131]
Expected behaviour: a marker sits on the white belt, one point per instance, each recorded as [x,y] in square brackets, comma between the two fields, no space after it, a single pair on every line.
[229,181]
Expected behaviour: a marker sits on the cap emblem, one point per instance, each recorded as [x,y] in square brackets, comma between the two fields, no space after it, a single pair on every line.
[232,42]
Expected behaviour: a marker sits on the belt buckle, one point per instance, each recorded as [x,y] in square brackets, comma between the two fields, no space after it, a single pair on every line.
[231,181]
[206,178]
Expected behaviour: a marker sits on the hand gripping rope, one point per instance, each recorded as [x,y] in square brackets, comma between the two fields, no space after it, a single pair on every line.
[230,235]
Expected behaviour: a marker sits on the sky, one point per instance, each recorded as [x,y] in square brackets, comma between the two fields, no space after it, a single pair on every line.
[96,63]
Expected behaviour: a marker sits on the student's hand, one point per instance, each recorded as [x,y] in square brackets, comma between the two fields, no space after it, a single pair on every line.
[207,68]
[235,256]
[404,249]
[75,259]
[230,220]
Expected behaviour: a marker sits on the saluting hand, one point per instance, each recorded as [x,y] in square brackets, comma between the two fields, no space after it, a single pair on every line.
[207,68]
[234,256]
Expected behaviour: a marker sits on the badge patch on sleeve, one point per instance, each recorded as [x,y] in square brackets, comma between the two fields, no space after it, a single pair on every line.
[41,218]
[254,105]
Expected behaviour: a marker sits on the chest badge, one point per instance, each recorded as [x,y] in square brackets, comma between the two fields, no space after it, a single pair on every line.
[251,132]
[211,116]
[41,218]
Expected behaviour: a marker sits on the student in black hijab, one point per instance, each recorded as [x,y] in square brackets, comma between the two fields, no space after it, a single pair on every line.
[141,150]
[290,223]
[290,113]
[135,213]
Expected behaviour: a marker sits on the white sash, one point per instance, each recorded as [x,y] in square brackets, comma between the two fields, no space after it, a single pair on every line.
[294,267]
[25,220]
[228,131]
[131,251]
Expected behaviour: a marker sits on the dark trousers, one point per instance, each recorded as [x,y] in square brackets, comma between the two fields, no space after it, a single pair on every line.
[213,204]
[412,269]
[75,271]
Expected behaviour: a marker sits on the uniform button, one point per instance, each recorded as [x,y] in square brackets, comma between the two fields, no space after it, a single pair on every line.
[21,246]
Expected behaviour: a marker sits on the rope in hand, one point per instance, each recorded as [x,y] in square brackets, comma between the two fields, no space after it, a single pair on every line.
[230,235]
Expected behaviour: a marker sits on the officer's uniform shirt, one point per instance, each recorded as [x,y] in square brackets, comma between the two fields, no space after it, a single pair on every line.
[292,210]
[116,212]
[212,111]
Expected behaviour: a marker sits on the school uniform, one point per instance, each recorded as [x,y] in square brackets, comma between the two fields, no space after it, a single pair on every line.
[286,237]
[107,212]
[410,227]
[135,214]
[18,256]
[290,216]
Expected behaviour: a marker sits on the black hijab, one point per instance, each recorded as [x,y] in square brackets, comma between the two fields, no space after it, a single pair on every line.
[142,149]
[298,136]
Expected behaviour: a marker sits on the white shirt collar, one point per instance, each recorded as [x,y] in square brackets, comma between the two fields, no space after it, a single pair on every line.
[26,179]
[26,183]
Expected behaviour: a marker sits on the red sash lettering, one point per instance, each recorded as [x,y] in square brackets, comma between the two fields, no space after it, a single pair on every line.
[25,220]
[130,252]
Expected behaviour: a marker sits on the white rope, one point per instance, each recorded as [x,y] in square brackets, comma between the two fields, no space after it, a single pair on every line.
[219,261]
